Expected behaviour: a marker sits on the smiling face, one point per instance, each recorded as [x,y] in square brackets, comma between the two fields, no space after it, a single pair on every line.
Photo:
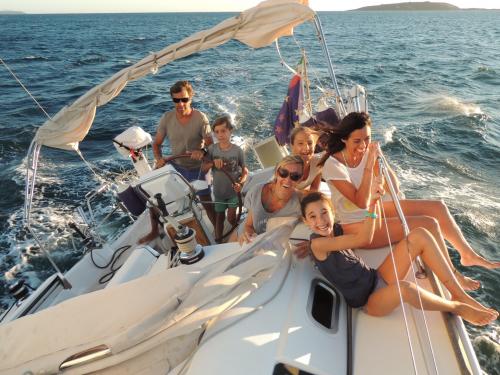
[303,145]
[318,216]
[182,108]
[285,186]
[357,142]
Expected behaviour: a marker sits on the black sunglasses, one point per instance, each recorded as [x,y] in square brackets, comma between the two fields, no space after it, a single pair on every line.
[284,173]
[184,100]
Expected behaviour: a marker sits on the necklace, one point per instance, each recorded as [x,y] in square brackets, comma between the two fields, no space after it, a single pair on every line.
[345,160]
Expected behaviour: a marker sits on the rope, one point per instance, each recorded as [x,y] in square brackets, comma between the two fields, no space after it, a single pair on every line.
[282,61]
[25,89]
[98,177]
[399,293]
[414,272]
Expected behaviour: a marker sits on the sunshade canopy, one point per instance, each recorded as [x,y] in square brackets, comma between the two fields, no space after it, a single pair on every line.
[256,27]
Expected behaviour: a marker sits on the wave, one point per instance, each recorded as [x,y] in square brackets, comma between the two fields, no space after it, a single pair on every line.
[29,58]
[388,134]
[452,105]
[91,59]
[488,350]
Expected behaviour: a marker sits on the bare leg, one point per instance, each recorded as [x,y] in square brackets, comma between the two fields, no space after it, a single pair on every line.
[231,215]
[209,207]
[421,243]
[219,225]
[449,228]
[385,300]
[396,234]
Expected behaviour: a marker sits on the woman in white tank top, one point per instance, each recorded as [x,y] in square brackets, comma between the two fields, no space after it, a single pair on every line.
[349,167]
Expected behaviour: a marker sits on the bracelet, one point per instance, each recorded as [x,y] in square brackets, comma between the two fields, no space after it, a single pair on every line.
[373,215]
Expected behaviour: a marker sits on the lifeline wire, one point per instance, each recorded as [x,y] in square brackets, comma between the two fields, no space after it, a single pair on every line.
[400,295]
[401,299]
[416,262]
[25,89]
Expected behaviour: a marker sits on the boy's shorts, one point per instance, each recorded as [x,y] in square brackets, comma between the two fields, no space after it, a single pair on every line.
[222,204]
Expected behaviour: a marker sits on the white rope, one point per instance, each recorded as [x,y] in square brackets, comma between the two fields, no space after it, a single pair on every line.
[25,89]
[408,336]
[282,61]
[93,169]
[428,337]
[412,265]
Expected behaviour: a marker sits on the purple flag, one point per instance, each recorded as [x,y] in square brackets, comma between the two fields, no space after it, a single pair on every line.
[288,117]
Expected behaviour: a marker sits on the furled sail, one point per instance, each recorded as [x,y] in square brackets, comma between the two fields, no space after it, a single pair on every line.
[256,27]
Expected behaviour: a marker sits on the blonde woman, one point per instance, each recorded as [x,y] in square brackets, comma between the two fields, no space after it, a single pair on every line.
[277,198]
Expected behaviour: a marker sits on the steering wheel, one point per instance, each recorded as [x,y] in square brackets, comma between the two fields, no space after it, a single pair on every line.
[238,194]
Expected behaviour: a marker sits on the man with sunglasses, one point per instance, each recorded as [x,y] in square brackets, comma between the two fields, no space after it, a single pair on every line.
[188,132]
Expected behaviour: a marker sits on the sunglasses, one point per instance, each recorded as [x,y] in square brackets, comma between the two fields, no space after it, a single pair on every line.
[178,100]
[284,173]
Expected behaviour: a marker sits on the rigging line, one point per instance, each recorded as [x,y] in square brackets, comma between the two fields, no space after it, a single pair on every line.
[99,178]
[24,87]
[414,273]
[319,86]
[405,318]
[421,305]
[282,61]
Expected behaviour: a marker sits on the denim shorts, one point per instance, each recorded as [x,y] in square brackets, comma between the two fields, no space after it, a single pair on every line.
[192,175]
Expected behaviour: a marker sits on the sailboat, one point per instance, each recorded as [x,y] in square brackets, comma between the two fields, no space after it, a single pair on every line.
[182,304]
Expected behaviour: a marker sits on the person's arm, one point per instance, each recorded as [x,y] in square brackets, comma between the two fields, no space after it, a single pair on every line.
[159,138]
[238,185]
[315,183]
[324,245]
[361,196]
[208,140]
[205,134]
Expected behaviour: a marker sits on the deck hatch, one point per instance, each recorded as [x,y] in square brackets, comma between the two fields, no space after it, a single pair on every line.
[285,369]
[323,304]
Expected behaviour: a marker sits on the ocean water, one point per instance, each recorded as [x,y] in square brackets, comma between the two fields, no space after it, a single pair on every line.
[433,82]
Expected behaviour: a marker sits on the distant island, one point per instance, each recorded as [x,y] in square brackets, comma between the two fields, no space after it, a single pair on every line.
[10,12]
[425,5]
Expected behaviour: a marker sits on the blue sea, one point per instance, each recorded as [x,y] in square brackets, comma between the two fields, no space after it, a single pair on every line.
[433,83]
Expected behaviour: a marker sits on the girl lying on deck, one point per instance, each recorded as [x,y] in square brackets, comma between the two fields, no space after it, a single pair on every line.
[377,289]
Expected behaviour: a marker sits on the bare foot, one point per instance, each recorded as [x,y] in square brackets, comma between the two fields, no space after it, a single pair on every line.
[466,282]
[478,317]
[475,259]
[468,300]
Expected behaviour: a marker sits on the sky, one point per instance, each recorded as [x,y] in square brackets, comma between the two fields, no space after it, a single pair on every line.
[132,6]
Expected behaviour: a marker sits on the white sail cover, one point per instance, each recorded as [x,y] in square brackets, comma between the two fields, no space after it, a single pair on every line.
[256,27]
[166,311]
